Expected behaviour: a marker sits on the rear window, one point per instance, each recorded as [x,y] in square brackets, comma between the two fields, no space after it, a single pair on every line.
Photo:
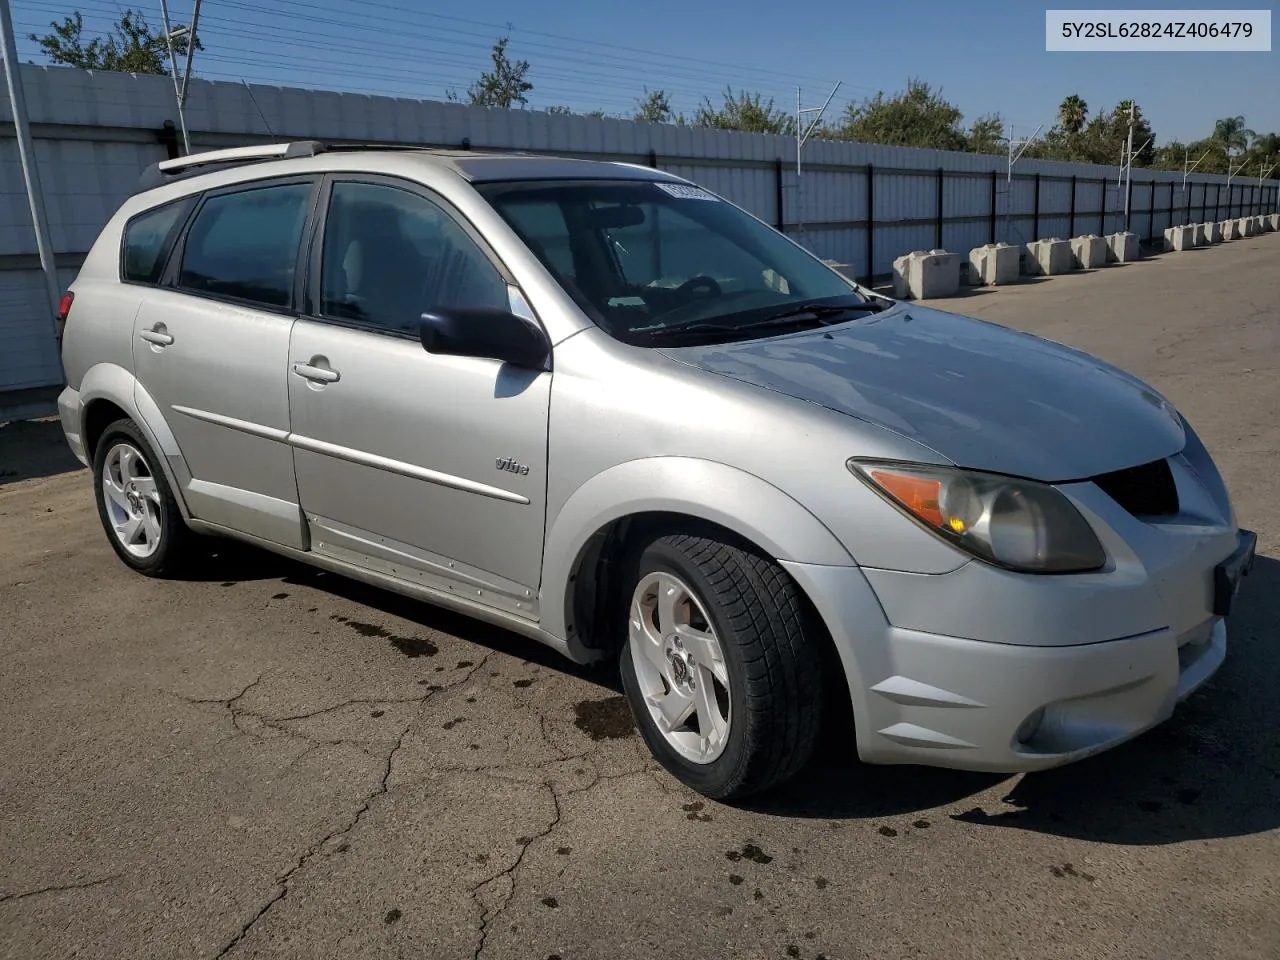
[149,237]
[244,245]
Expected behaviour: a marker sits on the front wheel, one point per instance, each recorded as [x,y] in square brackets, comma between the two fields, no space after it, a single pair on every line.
[721,665]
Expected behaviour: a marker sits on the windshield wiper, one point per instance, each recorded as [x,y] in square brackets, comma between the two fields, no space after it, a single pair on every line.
[797,316]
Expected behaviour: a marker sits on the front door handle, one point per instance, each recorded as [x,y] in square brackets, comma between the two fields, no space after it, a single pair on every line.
[316,374]
[157,336]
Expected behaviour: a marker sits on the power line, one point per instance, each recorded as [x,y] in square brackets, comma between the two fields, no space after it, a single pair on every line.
[612,83]
[614,66]
[625,91]
[402,11]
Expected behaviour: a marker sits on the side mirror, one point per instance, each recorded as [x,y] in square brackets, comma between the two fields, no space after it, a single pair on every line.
[486,333]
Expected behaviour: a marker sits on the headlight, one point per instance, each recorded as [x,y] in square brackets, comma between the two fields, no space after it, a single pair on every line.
[1018,524]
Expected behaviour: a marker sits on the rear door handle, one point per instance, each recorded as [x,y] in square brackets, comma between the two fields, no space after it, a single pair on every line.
[158,337]
[316,374]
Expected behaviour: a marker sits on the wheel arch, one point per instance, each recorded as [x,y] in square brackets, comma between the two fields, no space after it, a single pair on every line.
[109,392]
[642,498]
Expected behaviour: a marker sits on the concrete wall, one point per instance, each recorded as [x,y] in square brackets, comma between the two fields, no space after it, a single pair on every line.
[96,132]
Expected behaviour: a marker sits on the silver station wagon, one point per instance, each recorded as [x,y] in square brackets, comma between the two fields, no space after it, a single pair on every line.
[607,409]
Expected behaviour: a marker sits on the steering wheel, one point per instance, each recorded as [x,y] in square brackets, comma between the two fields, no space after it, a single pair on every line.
[700,282]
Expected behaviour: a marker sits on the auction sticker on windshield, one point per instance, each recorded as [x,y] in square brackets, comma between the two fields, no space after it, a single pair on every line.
[686,191]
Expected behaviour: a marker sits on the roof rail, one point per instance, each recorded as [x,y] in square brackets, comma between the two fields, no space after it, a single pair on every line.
[167,171]
[269,151]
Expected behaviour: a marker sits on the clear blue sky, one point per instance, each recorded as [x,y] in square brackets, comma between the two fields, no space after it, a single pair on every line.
[986,57]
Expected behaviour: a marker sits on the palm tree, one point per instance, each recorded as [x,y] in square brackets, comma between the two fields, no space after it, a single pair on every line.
[1266,144]
[1072,114]
[1232,134]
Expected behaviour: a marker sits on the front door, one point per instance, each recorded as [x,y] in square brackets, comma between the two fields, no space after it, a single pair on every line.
[426,467]
[211,347]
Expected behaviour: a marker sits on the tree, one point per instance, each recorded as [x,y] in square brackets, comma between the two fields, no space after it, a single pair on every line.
[1173,156]
[749,113]
[920,117]
[567,111]
[504,86]
[1266,148]
[130,46]
[1072,114]
[1102,140]
[987,134]
[653,107]
[1232,134]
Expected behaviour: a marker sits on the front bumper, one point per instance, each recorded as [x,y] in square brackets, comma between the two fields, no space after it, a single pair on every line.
[1064,693]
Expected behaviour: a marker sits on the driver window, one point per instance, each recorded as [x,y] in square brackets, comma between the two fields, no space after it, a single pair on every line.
[389,255]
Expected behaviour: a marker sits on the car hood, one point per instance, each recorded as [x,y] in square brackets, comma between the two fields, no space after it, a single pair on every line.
[981,395]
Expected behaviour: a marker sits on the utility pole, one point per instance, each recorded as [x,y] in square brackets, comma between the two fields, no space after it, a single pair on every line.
[1021,146]
[1231,173]
[26,155]
[802,136]
[1188,167]
[1126,163]
[180,87]
[1128,166]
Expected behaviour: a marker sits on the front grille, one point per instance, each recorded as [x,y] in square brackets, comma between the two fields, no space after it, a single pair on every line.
[1145,491]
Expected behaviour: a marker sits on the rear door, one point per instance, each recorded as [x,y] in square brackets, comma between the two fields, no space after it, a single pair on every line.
[428,467]
[212,347]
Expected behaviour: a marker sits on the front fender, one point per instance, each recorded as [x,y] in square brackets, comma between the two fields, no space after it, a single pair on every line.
[111,382]
[707,490]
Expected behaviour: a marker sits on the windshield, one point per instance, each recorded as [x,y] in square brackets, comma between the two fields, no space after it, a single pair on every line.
[659,263]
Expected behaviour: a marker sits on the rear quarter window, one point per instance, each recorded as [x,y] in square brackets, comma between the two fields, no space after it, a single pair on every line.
[244,245]
[148,238]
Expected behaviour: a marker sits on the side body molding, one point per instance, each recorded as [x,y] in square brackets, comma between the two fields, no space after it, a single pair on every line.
[712,491]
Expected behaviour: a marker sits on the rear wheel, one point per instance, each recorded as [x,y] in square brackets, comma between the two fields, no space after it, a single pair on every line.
[721,665]
[136,505]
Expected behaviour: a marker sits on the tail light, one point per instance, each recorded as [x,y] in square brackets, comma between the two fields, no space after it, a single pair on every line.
[64,309]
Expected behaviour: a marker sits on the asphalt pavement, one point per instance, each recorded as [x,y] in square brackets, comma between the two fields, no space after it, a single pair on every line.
[266,761]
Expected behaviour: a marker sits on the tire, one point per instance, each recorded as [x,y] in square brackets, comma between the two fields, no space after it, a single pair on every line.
[140,517]
[769,646]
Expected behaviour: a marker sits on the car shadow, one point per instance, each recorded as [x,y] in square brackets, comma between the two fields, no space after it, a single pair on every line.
[31,449]
[1211,771]
[229,562]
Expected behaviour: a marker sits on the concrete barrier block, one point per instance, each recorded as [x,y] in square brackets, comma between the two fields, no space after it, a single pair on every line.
[1179,238]
[994,263]
[1198,236]
[1260,224]
[1229,231]
[925,274]
[1123,247]
[1047,258]
[1212,231]
[1272,220]
[901,277]
[1089,251]
[1244,227]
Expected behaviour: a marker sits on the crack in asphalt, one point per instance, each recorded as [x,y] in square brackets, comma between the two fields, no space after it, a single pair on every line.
[509,874]
[58,888]
[381,789]
[282,881]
